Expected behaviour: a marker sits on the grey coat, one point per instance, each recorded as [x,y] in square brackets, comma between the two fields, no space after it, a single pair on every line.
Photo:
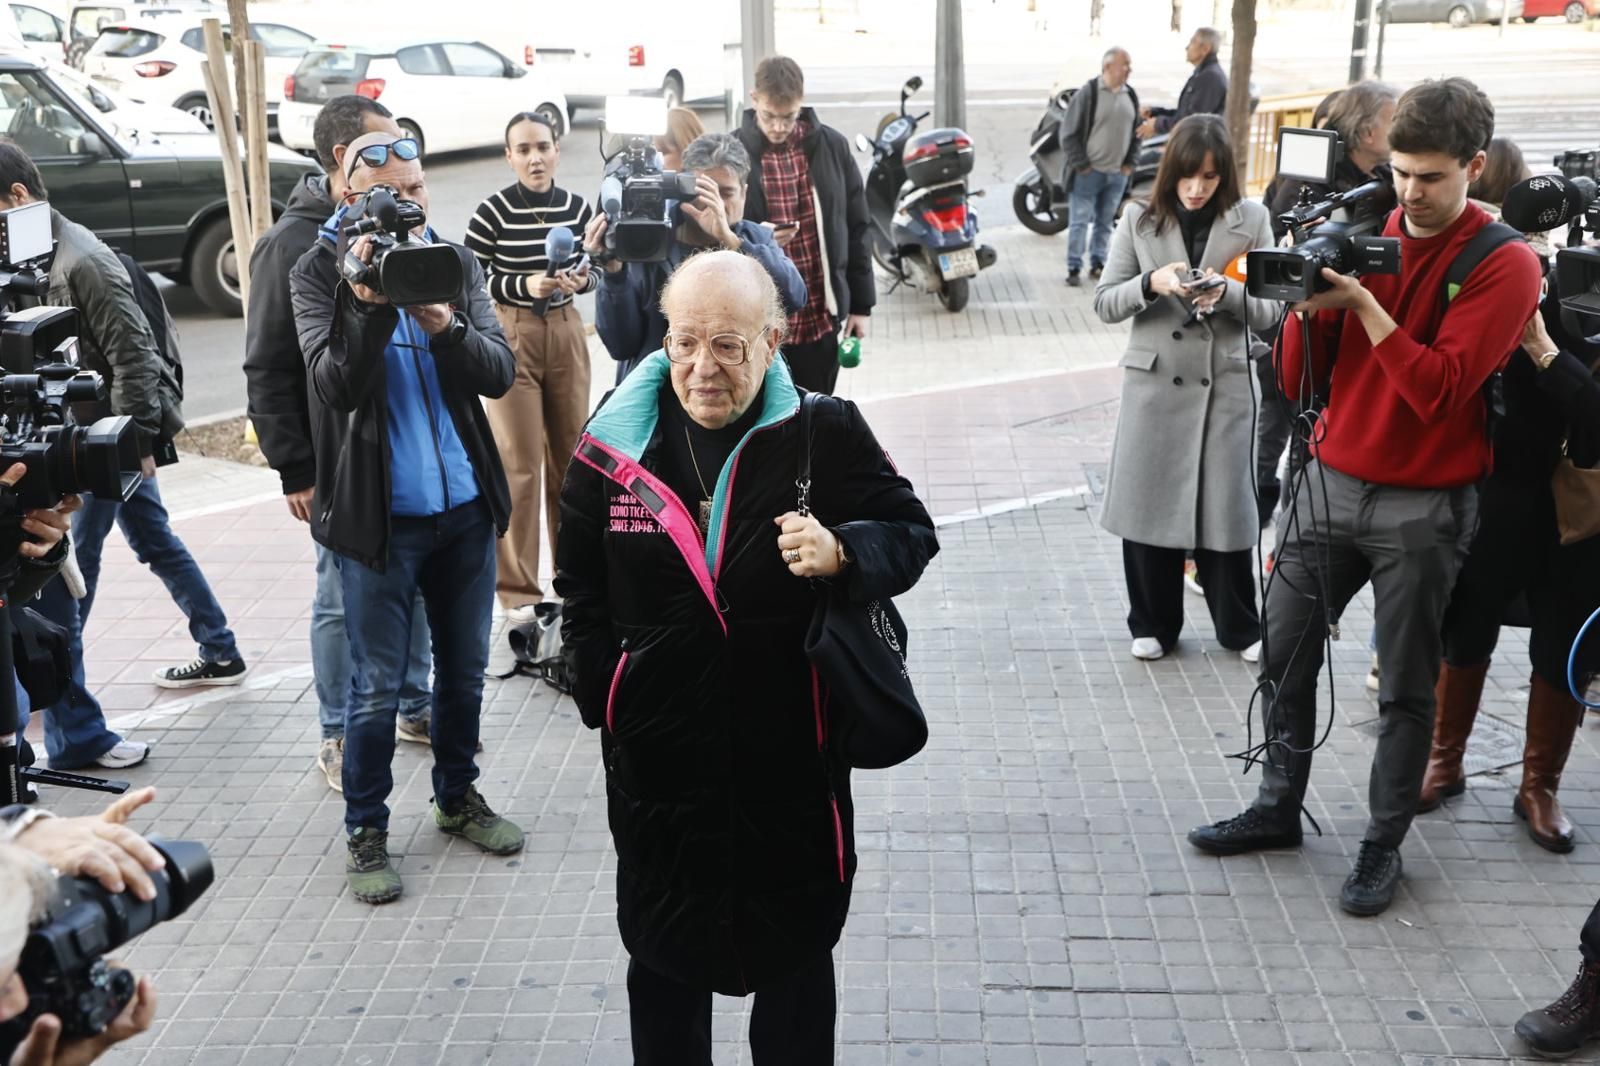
[1182,466]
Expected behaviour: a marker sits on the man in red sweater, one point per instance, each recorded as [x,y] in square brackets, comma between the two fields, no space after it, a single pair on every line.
[1391,495]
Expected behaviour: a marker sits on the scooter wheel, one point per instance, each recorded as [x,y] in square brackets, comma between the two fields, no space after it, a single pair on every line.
[953,294]
[1034,212]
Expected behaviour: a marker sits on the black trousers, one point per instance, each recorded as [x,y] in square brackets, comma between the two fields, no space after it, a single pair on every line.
[1155,593]
[791,1024]
[815,364]
[1589,940]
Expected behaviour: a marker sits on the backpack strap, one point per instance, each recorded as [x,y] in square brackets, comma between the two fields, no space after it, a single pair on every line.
[1480,247]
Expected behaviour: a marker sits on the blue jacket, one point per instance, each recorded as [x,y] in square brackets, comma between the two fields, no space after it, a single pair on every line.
[429,469]
[627,307]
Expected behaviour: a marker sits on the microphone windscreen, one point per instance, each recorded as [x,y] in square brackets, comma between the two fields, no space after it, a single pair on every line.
[1542,203]
[558,244]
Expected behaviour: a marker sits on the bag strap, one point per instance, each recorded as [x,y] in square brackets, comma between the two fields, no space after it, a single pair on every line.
[802,481]
[1480,247]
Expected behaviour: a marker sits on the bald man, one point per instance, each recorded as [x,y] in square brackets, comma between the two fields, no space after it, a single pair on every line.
[1098,140]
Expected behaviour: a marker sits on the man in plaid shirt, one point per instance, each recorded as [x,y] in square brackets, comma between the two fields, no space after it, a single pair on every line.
[804,182]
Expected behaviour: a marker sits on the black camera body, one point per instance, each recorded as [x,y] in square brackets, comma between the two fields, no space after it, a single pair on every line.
[1579,163]
[405,269]
[634,194]
[40,381]
[1342,232]
[63,962]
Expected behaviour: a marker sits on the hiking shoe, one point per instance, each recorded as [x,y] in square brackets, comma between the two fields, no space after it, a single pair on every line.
[1250,831]
[372,878]
[1370,887]
[474,820]
[126,753]
[200,672]
[1556,1031]
[1074,278]
[418,730]
[330,760]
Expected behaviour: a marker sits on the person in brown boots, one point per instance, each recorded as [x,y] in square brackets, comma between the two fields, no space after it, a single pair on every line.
[1551,396]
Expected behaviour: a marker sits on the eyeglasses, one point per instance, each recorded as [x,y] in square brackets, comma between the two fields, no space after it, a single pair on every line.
[376,155]
[773,118]
[729,349]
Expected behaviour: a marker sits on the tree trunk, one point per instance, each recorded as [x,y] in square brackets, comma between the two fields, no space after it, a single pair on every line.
[1177,16]
[1238,111]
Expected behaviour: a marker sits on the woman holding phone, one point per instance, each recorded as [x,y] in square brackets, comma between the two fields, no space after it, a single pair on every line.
[1182,474]
[536,424]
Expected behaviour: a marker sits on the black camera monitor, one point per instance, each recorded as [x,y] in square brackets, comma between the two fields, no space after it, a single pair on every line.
[1307,155]
[1578,281]
[25,234]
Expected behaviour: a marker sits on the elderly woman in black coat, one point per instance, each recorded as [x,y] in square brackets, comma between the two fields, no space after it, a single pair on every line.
[684,570]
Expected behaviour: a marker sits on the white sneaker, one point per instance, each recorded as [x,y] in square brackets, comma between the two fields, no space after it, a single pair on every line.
[1252,654]
[1374,683]
[522,616]
[1147,648]
[127,753]
[330,760]
[1191,577]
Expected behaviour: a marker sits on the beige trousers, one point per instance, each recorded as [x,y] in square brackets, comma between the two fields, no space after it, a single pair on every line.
[536,427]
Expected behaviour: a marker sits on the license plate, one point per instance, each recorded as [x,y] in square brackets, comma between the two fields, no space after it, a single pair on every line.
[961,263]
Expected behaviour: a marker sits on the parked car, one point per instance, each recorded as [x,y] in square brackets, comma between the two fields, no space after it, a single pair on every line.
[85,21]
[131,118]
[1458,13]
[37,26]
[1571,10]
[158,197]
[643,55]
[158,60]
[448,94]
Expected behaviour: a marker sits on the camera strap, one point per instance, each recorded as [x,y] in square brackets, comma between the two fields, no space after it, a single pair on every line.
[1482,245]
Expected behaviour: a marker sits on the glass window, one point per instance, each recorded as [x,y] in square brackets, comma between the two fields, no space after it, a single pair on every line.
[33,116]
[37,26]
[420,59]
[474,61]
[123,43]
[339,63]
[87,21]
[283,42]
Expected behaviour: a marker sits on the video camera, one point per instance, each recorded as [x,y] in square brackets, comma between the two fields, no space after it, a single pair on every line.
[63,962]
[1579,163]
[635,190]
[407,270]
[1348,244]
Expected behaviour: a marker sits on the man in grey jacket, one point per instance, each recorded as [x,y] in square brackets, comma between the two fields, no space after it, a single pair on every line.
[115,340]
[1100,145]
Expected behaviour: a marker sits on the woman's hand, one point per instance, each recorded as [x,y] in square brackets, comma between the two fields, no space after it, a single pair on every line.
[1535,338]
[543,286]
[1168,281]
[1205,302]
[808,547]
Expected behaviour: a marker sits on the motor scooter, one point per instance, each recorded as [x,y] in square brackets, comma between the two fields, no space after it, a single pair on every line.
[1040,197]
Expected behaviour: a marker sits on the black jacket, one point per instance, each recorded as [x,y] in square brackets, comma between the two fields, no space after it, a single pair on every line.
[1205,93]
[1079,120]
[843,218]
[280,406]
[343,341]
[732,863]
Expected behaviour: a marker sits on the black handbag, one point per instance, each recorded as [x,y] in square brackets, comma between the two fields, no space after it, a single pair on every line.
[859,654]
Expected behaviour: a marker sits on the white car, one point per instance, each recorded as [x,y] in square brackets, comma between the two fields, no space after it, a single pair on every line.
[39,27]
[126,118]
[448,94]
[665,56]
[158,60]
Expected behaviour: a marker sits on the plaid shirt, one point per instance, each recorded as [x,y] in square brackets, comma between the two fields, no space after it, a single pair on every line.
[786,180]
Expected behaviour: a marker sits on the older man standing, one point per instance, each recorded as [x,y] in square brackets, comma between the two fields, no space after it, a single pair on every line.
[1205,93]
[685,616]
[1100,145]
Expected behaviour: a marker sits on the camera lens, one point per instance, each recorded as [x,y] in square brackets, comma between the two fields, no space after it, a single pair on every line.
[1294,272]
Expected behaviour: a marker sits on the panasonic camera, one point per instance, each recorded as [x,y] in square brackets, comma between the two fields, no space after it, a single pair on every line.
[405,269]
[1341,232]
[40,381]
[636,191]
[63,964]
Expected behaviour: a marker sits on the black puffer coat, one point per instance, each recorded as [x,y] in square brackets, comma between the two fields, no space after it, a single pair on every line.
[732,822]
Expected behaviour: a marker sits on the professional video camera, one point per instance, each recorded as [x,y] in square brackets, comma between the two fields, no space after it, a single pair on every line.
[635,190]
[1347,244]
[63,962]
[1545,202]
[405,269]
[1579,163]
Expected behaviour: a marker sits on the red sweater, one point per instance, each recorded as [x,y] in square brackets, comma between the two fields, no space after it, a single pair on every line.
[1410,412]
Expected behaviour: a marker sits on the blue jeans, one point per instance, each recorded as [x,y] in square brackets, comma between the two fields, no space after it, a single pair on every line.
[1095,195]
[450,558]
[330,653]
[75,730]
[143,520]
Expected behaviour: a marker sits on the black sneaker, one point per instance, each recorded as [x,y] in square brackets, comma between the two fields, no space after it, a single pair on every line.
[1250,831]
[1370,887]
[1096,269]
[200,672]
[1559,1030]
[1074,278]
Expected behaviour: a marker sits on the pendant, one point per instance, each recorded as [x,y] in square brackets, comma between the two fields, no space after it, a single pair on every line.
[705,516]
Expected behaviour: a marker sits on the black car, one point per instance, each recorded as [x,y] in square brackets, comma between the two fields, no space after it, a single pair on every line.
[157,196]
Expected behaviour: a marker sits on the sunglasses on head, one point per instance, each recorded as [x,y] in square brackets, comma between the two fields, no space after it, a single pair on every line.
[376,155]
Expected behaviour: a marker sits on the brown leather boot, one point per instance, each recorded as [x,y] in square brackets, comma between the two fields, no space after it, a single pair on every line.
[1455,700]
[1553,720]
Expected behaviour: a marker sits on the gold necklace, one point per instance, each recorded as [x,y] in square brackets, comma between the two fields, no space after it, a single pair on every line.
[705,493]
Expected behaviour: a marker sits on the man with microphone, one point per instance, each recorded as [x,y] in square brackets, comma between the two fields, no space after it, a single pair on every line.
[1390,494]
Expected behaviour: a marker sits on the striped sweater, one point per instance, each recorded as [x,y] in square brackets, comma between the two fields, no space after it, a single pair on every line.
[507,234]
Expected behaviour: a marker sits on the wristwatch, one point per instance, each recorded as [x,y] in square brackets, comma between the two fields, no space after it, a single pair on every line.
[1543,361]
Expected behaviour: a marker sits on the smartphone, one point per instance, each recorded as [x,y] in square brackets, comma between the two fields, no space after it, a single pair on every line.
[1197,281]
[785,225]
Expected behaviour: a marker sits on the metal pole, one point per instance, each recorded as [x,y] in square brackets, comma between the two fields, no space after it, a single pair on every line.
[757,40]
[949,68]
[1383,25]
[1358,41]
